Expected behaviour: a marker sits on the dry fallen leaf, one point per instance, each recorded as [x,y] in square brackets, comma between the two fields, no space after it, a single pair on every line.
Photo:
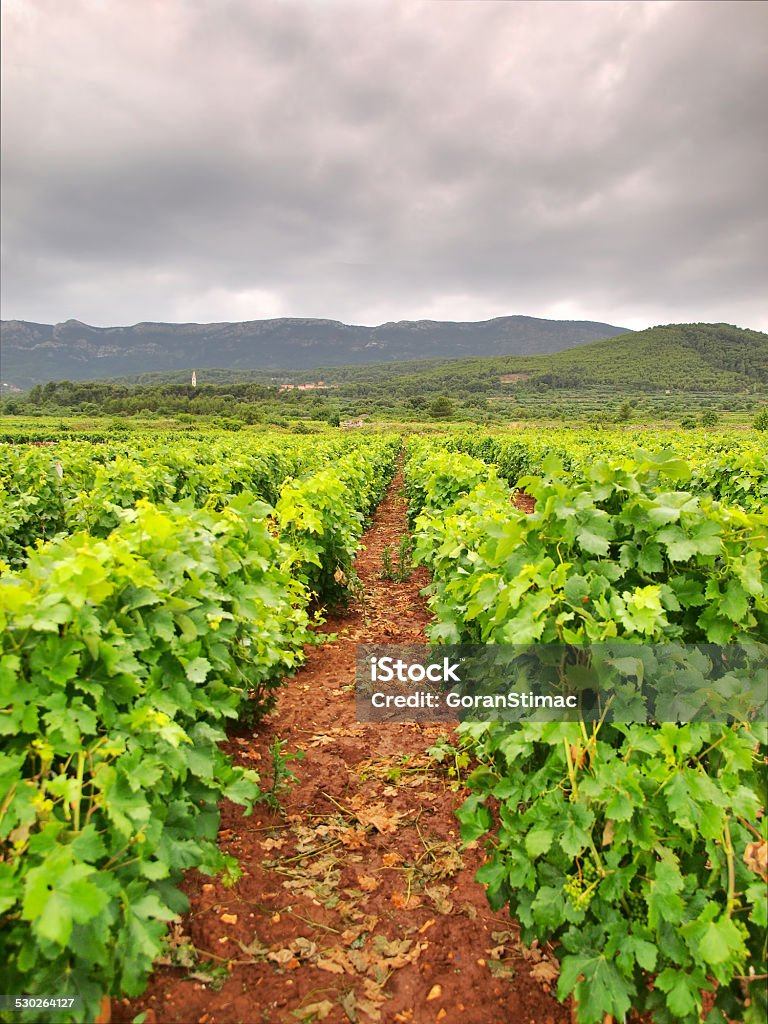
[501,969]
[360,960]
[329,965]
[339,957]
[378,816]
[756,858]
[532,952]
[414,782]
[545,972]
[303,947]
[202,976]
[319,740]
[348,1003]
[272,844]
[391,947]
[393,954]
[370,1008]
[401,901]
[448,862]
[368,883]
[254,948]
[281,956]
[391,860]
[439,896]
[317,1011]
[353,838]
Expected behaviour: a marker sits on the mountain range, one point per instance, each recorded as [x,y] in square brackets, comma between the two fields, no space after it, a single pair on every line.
[32,353]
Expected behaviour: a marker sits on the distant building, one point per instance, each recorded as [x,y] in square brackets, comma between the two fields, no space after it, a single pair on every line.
[352,423]
[194,379]
[303,387]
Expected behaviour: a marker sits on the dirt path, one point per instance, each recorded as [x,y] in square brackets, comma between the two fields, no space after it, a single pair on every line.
[355,904]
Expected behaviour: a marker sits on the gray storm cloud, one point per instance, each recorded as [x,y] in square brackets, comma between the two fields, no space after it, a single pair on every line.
[226,160]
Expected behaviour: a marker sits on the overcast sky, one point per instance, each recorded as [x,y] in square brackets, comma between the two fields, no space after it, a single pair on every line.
[208,160]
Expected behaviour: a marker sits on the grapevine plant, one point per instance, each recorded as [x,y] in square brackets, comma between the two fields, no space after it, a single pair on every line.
[636,848]
[321,517]
[122,660]
[731,467]
[124,652]
[76,485]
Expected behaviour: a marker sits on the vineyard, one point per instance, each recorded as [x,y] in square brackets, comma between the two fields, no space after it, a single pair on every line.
[161,599]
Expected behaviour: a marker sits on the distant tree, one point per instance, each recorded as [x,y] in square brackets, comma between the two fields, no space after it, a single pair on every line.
[709,418]
[688,423]
[761,420]
[598,418]
[441,408]
[624,412]
[249,413]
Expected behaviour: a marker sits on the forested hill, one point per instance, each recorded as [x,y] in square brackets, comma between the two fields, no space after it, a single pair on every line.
[671,367]
[674,358]
[678,356]
[35,353]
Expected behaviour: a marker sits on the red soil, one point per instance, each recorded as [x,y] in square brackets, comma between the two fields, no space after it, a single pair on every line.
[356,902]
